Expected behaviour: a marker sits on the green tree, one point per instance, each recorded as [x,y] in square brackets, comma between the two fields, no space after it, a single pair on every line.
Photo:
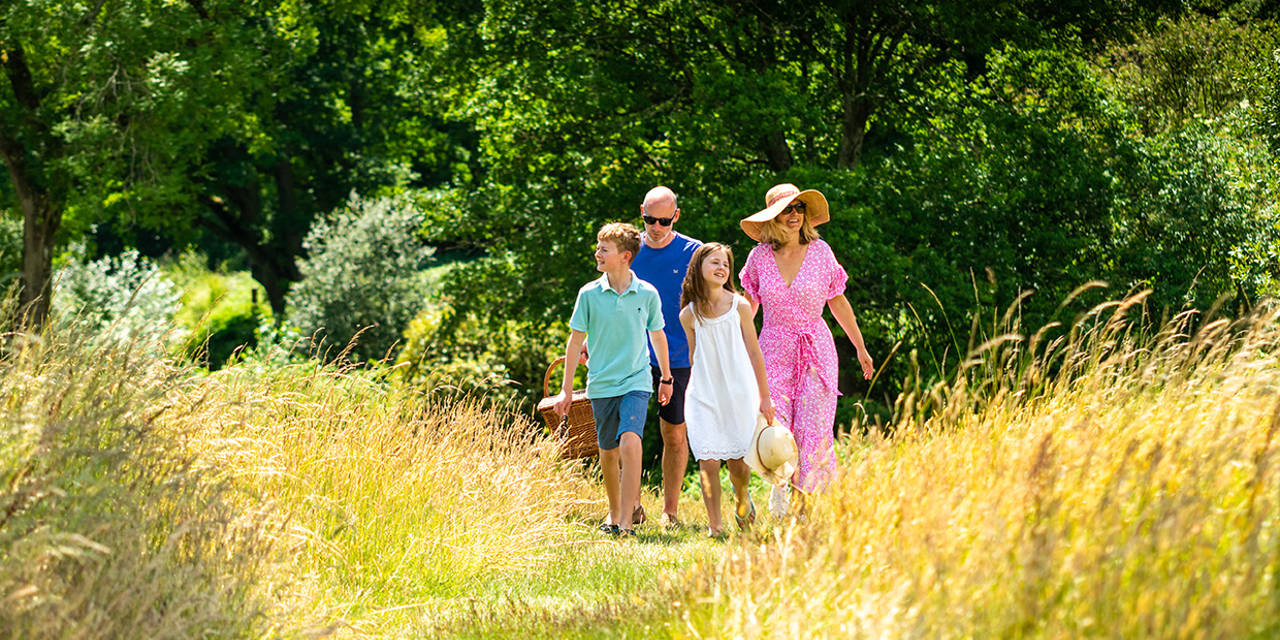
[1190,67]
[105,109]
[236,118]
[355,107]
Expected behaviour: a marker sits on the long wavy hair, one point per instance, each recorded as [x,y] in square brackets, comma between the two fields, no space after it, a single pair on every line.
[694,289]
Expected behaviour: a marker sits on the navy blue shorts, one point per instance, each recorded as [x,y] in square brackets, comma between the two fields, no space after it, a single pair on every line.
[673,411]
[617,415]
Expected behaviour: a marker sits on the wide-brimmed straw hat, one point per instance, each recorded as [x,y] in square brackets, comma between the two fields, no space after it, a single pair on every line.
[777,199]
[773,453]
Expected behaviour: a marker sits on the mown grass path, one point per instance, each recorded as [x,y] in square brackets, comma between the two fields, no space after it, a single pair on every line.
[599,587]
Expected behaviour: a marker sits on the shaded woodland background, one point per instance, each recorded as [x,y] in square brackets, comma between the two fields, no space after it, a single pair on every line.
[432,173]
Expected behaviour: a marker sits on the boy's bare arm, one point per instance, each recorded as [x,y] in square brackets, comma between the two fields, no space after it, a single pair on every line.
[571,352]
[659,341]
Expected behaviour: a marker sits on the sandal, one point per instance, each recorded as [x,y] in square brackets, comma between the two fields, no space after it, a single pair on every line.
[745,522]
[637,518]
[626,533]
[609,529]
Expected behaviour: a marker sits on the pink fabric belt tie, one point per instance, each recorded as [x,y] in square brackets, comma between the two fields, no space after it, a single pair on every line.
[807,356]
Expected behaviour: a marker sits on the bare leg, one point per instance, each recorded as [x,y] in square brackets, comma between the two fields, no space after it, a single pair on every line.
[739,475]
[630,454]
[609,459]
[709,476]
[675,459]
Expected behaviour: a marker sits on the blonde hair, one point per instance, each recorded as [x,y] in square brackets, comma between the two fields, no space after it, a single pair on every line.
[693,291]
[773,234]
[623,236]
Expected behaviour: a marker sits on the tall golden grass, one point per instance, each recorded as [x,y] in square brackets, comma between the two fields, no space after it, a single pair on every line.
[144,497]
[1103,482]
[391,505]
[110,526]
[1090,480]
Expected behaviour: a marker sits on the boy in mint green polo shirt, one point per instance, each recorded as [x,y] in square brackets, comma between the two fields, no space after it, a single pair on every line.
[612,315]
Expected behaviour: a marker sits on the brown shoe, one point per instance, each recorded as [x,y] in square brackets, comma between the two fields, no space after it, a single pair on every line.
[670,520]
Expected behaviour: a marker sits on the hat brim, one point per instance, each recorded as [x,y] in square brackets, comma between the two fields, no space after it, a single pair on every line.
[816,211]
[777,476]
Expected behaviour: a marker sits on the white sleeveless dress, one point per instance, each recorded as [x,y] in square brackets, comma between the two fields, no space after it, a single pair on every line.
[722,399]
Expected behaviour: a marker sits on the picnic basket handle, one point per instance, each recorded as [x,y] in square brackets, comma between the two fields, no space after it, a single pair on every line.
[546,380]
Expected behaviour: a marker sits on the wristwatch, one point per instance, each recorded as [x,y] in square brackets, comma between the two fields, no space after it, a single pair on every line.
[667,381]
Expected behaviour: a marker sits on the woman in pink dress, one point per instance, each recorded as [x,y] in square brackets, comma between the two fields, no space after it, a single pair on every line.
[793,274]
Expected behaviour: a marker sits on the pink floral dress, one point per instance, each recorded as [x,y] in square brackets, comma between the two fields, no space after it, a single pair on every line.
[799,352]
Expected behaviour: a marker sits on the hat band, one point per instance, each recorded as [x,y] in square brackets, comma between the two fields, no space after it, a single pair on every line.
[780,196]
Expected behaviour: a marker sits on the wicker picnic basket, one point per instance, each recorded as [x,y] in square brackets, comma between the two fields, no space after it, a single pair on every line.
[576,431]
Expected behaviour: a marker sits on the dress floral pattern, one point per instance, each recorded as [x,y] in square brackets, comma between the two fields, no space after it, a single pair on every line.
[799,351]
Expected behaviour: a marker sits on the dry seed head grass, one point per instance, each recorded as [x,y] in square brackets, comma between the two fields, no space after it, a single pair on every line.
[1113,483]
[145,498]
[109,527]
[392,503]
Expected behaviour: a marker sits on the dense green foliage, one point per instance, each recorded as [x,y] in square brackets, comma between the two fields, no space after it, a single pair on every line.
[971,153]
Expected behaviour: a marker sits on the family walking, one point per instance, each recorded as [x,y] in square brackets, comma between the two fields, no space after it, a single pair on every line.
[665,318]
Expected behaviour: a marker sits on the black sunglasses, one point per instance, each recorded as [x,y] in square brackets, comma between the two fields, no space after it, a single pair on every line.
[666,222]
[794,206]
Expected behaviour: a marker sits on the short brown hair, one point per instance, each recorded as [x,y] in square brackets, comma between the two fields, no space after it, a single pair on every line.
[623,236]
[771,234]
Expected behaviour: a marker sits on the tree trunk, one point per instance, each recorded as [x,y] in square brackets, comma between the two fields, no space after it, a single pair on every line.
[40,223]
[272,266]
[272,282]
[777,151]
[41,215]
[853,130]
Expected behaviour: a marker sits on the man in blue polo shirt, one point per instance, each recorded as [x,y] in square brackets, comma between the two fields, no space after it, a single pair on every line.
[662,261]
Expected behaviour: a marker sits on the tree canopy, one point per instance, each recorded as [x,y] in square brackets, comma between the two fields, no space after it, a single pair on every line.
[971,151]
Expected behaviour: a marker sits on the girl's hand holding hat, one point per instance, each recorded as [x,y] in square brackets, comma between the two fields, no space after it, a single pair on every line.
[766,409]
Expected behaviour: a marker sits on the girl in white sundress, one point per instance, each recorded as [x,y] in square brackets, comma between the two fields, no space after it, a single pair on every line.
[727,384]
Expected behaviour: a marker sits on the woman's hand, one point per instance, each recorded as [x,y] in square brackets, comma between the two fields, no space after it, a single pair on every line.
[766,409]
[868,367]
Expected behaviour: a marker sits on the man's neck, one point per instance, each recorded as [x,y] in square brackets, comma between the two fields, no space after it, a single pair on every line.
[648,240]
[619,280]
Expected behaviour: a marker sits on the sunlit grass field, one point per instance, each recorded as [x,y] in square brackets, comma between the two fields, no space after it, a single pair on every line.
[1099,479]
